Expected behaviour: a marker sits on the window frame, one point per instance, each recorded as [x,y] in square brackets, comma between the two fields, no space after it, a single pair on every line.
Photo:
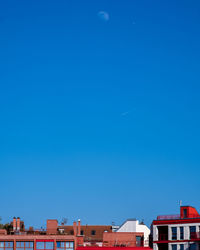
[65,245]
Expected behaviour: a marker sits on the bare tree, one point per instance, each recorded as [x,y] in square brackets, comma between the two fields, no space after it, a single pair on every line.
[64,221]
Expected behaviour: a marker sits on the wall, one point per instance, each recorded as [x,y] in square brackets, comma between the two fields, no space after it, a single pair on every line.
[120,238]
[134,226]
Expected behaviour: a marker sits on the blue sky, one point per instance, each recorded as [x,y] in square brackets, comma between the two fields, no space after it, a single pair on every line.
[99,109]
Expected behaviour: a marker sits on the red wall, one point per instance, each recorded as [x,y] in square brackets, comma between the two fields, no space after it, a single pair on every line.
[120,238]
[113,248]
[191,212]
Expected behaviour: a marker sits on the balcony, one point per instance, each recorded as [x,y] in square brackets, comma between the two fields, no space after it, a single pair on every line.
[168,217]
[177,217]
[163,237]
[195,236]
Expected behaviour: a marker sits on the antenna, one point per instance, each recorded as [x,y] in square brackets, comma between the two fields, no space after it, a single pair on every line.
[180,203]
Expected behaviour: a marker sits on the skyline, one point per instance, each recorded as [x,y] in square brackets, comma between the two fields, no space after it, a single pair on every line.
[99,109]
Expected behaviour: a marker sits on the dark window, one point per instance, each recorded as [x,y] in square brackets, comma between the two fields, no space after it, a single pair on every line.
[192,232]
[71,232]
[181,233]
[93,232]
[181,246]
[193,246]
[174,247]
[82,232]
[138,241]
[184,213]
[174,233]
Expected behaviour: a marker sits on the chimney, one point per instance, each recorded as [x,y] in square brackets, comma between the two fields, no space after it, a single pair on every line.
[52,226]
[14,224]
[18,224]
[79,227]
[75,228]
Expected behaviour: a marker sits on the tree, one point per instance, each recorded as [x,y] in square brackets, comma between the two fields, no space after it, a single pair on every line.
[64,221]
[1,225]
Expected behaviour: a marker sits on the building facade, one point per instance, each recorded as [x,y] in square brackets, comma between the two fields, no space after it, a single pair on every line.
[130,234]
[18,238]
[177,232]
[92,234]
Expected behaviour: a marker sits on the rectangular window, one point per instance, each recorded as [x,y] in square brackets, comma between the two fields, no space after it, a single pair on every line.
[40,245]
[24,245]
[138,241]
[184,213]
[43,245]
[181,246]
[174,233]
[93,232]
[174,247]
[193,232]
[6,245]
[181,233]
[193,246]
[49,245]
[64,245]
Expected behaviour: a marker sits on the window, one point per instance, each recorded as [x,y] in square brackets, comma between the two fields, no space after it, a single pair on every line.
[93,232]
[192,232]
[82,232]
[138,241]
[6,245]
[24,245]
[64,245]
[49,245]
[181,246]
[174,247]
[44,245]
[174,233]
[40,245]
[181,233]
[184,213]
[71,232]
[193,246]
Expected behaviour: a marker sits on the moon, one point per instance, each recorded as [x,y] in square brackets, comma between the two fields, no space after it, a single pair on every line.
[104,16]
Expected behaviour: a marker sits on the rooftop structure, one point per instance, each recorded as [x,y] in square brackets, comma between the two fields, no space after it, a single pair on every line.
[130,234]
[177,232]
[92,234]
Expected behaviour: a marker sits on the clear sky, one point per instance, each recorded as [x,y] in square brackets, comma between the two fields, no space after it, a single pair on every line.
[99,109]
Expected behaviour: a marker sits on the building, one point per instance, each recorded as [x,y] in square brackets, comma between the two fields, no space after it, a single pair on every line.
[92,234]
[130,234]
[62,237]
[177,232]
[19,238]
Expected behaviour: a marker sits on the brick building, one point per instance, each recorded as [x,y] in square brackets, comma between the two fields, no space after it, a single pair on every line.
[18,238]
[92,234]
[56,237]
[130,234]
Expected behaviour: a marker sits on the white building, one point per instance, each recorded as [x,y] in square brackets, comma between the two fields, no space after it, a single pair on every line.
[177,232]
[133,225]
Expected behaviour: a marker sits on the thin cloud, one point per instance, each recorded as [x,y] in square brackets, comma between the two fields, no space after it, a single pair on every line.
[125,113]
[103,15]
